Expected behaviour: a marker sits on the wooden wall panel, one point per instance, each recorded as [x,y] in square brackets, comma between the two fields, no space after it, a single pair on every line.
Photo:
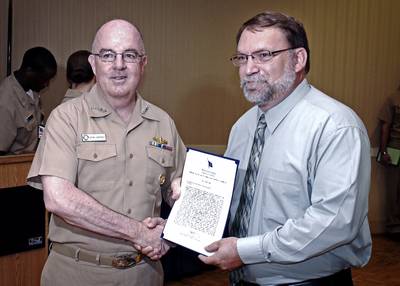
[23,268]
[14,169]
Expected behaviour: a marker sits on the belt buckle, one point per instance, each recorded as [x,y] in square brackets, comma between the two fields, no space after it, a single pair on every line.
[126,261]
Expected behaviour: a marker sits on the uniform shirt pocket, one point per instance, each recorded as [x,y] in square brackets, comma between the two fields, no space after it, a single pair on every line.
[96,152]
[97,166]
[160,156]
[158,163]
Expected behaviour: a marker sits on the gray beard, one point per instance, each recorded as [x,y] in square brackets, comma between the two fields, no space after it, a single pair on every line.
[269,91]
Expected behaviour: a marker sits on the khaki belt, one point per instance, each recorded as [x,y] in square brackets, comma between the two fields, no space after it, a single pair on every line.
[120,261]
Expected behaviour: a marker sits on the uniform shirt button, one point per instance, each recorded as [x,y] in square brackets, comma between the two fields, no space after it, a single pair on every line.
[130,183]
[162,160]
[95,155]
[128,211]
[131,155]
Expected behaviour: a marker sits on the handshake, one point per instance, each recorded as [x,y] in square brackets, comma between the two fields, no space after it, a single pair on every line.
[149,242]
[148,237]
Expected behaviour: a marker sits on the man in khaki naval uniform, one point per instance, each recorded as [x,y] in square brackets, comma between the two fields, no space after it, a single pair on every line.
[104,161]
[389,121]
[20,113]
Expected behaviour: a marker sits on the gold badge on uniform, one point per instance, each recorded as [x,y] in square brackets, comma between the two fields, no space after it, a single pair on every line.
[162,179]
[160,142]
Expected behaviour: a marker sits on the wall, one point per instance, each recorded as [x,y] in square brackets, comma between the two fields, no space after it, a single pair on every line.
[3,37]
[354,47]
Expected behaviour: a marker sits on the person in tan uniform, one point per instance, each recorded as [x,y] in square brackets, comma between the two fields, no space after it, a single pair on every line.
[389,119]
[79,74]
[20,112]
[105,160]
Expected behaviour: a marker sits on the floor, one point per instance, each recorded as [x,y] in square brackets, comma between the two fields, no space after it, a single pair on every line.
[383,268]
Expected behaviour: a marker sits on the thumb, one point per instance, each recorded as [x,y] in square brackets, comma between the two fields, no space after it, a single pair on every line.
[176,188]
[213,247]
[149,222]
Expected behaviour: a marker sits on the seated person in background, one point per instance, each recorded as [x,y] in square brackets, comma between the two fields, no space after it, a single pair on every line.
[79,74]
[20,112]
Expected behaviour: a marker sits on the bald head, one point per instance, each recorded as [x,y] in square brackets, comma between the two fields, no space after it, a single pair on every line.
[113,31]
[118,60]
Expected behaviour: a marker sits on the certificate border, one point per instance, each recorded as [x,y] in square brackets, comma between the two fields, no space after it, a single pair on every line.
[236,161]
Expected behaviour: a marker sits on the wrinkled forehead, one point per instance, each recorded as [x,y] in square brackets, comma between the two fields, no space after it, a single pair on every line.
[118,36]
[268,38]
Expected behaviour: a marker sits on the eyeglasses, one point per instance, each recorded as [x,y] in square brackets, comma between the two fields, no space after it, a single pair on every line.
[109,56]
[258,57]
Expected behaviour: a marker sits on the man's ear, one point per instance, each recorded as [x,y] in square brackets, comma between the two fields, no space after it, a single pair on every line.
[92,63]
[143,64]
[301,59]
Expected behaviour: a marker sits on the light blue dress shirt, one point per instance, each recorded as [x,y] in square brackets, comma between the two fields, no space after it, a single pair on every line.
[309,214]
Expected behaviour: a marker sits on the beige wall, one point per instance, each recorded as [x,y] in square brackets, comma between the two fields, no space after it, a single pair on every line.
[354,46]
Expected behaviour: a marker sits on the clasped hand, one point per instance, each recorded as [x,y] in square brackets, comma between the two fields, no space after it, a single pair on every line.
[152,245]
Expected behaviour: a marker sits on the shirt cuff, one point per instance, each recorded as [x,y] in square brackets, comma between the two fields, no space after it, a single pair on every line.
[250,249]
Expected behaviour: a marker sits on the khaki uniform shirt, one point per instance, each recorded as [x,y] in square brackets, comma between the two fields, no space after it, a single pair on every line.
[20,117]
[86,143]
[390,113]
[71,94]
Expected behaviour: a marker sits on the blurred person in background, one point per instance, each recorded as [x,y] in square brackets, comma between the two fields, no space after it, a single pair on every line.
[21,116]
[80,75]
[389,119]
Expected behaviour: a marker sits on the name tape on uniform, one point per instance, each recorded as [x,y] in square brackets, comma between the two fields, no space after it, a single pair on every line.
[93,137]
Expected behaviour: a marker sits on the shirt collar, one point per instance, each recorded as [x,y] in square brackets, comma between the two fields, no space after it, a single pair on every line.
[22,95]
[99,107]
[277,113]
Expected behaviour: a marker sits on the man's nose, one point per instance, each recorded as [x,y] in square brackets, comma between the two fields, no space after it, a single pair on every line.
[250,66]
[119,62]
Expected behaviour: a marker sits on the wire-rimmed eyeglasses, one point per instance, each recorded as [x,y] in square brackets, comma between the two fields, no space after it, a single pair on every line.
[129,56]
[258,57]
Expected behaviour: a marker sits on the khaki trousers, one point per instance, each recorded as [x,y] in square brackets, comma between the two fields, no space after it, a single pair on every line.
[61,270]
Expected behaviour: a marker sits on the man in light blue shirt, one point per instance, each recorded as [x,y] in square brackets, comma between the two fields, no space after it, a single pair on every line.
[308,220]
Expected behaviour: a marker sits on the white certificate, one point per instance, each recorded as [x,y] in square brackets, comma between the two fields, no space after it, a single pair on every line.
[199,216]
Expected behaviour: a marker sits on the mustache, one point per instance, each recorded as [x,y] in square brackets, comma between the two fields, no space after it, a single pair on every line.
[254,78]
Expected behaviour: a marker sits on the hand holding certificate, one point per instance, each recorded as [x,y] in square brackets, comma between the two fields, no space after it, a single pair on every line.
[198,217]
